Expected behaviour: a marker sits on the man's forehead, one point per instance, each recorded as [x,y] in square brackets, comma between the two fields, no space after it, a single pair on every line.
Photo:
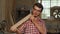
[37,8]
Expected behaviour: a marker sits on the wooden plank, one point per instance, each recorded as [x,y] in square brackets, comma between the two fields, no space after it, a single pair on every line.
[20,22]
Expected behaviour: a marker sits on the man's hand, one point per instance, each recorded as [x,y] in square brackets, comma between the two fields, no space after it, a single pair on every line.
[34,19]
[13,29]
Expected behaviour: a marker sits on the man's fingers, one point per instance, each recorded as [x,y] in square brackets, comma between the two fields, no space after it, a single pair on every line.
[13,28]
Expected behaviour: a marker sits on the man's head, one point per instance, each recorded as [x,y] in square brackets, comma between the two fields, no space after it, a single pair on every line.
[37,9]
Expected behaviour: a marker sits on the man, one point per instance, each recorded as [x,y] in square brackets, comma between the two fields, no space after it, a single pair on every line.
[34,25]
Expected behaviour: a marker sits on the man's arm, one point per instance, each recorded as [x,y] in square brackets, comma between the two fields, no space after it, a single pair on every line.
[44,30]
[41,28]
[44,27]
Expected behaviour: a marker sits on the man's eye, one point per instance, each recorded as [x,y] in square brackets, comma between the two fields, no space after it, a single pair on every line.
[34,9]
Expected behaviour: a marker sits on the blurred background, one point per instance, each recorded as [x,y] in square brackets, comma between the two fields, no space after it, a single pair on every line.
[11,11]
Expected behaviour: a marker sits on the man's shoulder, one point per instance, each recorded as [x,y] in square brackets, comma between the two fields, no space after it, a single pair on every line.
[28,21]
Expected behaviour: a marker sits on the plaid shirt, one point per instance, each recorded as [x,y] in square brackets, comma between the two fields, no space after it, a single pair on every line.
[29,28]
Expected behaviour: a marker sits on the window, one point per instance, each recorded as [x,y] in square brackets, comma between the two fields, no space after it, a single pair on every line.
[46,10]
[47,4]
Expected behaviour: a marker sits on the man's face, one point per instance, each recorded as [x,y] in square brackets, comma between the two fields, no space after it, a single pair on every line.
[36,11]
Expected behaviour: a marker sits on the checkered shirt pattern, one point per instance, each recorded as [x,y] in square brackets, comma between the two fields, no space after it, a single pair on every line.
[29,28]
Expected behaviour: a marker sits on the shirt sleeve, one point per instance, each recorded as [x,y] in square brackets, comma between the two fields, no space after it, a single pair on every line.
[44,27]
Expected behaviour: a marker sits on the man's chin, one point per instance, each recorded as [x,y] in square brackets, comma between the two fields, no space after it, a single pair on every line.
[35,15]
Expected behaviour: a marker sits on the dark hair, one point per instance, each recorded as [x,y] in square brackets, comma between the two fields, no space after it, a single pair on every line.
[39,5]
